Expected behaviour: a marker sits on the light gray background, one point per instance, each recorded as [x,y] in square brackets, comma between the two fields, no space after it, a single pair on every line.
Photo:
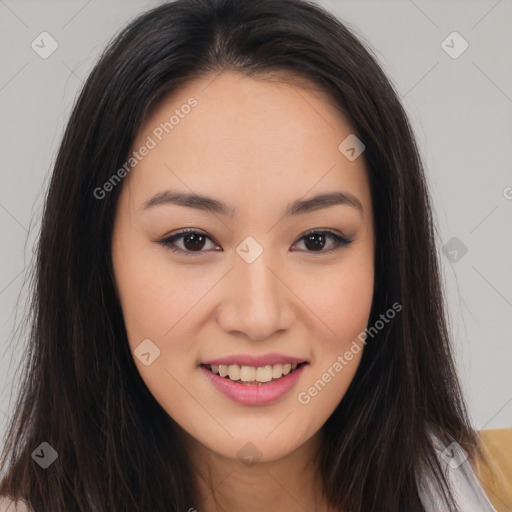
[460,109]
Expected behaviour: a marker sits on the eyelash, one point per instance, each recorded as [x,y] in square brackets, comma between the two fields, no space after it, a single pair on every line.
[168,242]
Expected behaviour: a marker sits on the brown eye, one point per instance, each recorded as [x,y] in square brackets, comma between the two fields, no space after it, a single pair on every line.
[194,241]
[315,241]
[191,241]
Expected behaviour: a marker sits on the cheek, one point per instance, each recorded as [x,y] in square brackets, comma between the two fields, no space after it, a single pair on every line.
[352,300]
[157,302]
[344,305]
[156,295]
[340,300]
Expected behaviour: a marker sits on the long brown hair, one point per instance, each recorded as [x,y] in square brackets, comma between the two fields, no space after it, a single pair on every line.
[117,448]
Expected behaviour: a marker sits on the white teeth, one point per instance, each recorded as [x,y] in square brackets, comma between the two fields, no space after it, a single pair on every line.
[263,373]
[277,371]
[247,374]
[236,372]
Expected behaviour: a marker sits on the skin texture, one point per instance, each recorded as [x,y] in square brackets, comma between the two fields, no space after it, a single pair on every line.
[257,146]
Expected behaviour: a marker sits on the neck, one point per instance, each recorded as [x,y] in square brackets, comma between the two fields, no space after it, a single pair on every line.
[288,484]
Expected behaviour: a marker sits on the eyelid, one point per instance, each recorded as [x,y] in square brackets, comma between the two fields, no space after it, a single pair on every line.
[168,241]
[340,240]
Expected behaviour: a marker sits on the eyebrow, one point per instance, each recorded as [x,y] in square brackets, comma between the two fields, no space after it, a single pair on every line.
[209,204]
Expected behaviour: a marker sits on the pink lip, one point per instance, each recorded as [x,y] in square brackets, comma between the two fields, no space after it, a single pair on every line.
[254,394]
[248,360]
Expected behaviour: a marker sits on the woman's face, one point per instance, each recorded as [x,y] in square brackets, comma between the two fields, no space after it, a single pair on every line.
[251,290]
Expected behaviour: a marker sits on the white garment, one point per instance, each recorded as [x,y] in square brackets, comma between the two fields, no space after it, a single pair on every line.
[464,483]
[7,505]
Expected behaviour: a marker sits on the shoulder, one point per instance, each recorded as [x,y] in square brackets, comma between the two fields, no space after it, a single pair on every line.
[8,505]
[462,480]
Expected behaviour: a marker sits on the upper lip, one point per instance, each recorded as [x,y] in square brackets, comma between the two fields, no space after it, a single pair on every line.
[251,360]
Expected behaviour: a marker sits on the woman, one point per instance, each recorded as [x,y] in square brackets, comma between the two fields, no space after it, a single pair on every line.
[237,302]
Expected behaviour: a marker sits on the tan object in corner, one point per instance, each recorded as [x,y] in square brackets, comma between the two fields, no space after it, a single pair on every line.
[495,474]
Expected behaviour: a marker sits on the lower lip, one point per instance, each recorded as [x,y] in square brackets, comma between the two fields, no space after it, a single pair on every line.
[254,394]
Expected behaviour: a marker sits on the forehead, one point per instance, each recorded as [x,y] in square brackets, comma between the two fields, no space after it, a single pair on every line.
[230,134]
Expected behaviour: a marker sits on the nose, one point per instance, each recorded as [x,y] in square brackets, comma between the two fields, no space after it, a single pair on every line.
[256,300]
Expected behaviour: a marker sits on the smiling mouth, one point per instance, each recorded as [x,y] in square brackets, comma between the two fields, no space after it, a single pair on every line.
[253,375]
